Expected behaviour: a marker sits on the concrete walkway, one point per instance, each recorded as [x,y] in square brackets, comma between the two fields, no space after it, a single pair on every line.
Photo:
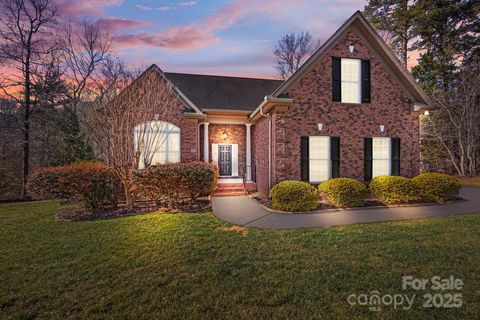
[246,212]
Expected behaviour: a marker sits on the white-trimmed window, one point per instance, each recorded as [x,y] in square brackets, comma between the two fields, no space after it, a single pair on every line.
[158,143]
[319,159]
[381,157]
[350,78]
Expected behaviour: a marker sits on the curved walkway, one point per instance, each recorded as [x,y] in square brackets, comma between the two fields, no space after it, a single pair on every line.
[246,212]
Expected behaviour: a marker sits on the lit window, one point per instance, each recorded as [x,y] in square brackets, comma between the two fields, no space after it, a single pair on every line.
[350,69]
[381,157]
[158,142]
[319,159]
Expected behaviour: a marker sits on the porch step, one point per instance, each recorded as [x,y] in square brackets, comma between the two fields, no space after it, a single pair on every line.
[232,189]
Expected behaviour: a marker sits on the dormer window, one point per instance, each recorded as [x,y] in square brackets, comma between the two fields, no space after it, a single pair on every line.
[350,80]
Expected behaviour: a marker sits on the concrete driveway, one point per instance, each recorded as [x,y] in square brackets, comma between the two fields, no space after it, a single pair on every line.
[244,211]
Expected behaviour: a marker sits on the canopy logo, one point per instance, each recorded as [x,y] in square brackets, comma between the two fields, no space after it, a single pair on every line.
[375,300]
[445,294]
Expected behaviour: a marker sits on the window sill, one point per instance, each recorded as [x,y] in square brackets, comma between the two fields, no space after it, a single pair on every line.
[352,103]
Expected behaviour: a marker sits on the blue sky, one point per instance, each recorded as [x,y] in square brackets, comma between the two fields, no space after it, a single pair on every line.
[223,37]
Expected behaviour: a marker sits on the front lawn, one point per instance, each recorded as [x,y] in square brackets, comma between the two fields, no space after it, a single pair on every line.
[177,266]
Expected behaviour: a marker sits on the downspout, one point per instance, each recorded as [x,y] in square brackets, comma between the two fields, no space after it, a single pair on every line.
[269,145]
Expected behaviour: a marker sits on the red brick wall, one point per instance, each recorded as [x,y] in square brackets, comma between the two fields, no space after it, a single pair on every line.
[236,135]
[312,104]
[260,155]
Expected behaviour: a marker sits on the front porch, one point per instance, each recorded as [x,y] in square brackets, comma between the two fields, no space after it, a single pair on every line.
[225,139]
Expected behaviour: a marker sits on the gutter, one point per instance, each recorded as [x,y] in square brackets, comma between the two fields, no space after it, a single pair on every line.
[269,143]
[268,103]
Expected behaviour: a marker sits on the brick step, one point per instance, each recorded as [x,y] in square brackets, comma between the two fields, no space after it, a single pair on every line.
[230,189]
[230,194]
[229,185]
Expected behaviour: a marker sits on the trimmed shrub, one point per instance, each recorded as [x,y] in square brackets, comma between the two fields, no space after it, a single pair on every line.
[93,184]
[437,187]
[172,181]
[344,192]
[291,195]
[393,189]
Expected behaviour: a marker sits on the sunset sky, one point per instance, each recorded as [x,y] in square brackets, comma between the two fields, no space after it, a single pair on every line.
[226,37]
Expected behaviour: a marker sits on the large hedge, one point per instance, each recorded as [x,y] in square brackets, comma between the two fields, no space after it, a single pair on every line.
[172,181]
[93,184]
[290,195]
[437,187]
[344,192]
[393,189]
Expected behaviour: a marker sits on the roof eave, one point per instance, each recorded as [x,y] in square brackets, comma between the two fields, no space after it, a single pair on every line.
[226,111]
[267,104]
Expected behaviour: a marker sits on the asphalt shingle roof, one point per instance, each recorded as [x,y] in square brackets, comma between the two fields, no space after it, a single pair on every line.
[221,92]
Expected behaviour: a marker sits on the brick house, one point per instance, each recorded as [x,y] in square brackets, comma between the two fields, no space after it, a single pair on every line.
[352,110]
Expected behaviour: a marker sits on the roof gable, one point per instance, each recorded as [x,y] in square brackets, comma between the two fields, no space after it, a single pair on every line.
[190,107]
[360,24]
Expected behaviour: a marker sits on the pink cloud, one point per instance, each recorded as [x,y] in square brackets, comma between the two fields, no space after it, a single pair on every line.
[113,25]
[202,33]
[75,9]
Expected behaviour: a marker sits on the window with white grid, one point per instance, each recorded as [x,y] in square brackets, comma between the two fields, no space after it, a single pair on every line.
[319,158]
[350,77]
[381,157]
[158,143]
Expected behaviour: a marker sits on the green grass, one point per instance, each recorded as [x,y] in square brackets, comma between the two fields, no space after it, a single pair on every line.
[193,266]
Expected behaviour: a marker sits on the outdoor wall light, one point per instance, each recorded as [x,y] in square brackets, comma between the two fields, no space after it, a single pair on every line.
[426,113]
[225,136]
[351,48]
[320,126]
[382,128]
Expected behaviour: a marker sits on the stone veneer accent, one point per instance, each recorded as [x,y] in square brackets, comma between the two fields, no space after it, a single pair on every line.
[312,104]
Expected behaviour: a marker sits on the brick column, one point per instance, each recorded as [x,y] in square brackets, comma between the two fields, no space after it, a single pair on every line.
[248,157]
[205,142]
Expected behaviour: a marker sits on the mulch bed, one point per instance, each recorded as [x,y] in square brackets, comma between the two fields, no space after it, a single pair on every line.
[369,203]
[74,212]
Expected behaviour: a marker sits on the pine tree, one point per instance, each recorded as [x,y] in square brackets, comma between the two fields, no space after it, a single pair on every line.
[395,19]
[448,33]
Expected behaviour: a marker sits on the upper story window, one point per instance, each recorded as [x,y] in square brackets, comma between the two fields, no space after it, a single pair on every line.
[351,80]
[158,142]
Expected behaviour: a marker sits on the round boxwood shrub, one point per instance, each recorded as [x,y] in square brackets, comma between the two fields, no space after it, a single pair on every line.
[393,189]
[437,187]
[291,195]
[344,192]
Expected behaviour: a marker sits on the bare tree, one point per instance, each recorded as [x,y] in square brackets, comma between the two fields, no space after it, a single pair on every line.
[25,35]
[292,50]
[84,48]
[455,124]
[128,122]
